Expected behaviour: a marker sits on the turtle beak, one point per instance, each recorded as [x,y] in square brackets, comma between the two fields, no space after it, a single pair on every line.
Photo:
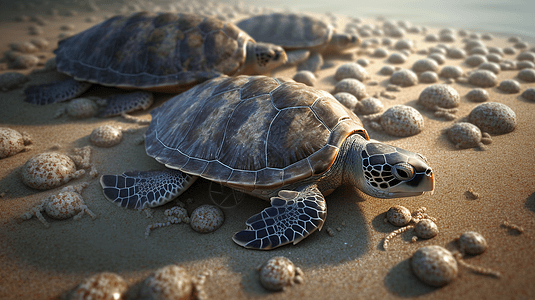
[420,184]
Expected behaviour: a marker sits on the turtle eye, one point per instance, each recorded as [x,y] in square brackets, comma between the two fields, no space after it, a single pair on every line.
[403,171]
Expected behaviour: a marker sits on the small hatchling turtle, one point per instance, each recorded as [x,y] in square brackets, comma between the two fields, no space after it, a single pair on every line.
[163,52]
[277,140]
[68,203]
[298,34]
[467,135]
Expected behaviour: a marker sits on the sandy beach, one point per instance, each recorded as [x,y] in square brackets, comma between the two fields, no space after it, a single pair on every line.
[46,263]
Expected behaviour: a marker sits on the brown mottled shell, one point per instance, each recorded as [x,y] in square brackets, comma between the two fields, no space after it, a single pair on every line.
[251,132]
[160,52]
[290,31]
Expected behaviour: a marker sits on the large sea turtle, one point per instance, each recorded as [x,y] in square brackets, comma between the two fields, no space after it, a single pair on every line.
[155,52]
[301,36]
[274,139]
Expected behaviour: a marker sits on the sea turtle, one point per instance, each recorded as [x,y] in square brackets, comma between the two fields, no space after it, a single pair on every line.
[303,37]
[274,139]
[155,52]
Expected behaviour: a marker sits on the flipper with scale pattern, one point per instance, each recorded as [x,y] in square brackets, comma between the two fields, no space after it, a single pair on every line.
[125,103]
[140,190]
[291,217]
[56,91]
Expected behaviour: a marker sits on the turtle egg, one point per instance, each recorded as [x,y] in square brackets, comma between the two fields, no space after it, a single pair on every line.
[483,78]
[472,242]
[206,218]
[49,170]
[456,53]
[491,66]
[467,135]
[428,77]
[397,58]
[11,142]
[347,99]
[529,94]
[305,77]
[509,86]
[527,75]
[352,86]
[398,215]
[451,72]
[106,136]
[81,108]
[478,95]
[279,272]
[439,96]
[425,64]
[351,70]
[493,117]
[426,229]
[370,105]
[169,282]
[402,120]
[104,285]
[387,70]
[434,265]
[404,78]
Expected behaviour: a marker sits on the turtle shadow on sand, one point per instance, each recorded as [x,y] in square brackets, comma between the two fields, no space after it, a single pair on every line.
[530,202]
[400,282]
[115,240]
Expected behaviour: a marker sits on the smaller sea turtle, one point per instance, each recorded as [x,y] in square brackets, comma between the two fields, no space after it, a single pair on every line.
[278,140]
[301,36]
[155,52]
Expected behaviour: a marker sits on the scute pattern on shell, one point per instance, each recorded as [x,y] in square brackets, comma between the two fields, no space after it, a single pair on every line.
[290,31]
[135,51]
[250,132]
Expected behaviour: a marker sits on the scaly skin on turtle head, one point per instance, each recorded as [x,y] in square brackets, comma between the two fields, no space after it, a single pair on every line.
[385,171]
[263,57]
[343,41]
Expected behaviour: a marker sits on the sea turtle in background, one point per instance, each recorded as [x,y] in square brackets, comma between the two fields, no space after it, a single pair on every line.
[154,52]
[304,38]
[274,139]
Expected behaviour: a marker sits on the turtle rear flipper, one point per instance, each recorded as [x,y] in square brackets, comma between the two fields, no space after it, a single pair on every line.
[56,91]
[291,217]
[145,189]
[125,103]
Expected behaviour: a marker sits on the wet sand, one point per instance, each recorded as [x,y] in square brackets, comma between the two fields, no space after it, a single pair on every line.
[41,263]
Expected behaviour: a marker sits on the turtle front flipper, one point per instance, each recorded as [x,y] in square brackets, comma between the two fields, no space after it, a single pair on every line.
[56,91]
[145,189]
[291,217]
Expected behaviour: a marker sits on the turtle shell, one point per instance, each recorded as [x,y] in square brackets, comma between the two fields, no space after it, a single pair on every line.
[290,31]
[251,132]
[160,52]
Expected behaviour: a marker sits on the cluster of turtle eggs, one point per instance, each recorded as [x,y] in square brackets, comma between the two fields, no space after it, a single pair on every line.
[168,282]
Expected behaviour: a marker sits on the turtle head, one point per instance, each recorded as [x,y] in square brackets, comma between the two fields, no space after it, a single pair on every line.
[263,57]
[343,41]
[385,171]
